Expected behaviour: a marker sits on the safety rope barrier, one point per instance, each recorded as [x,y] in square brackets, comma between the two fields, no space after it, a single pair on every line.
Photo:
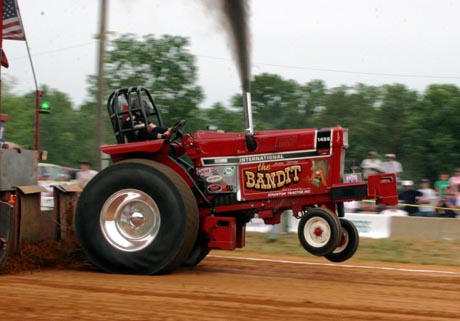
[421,205]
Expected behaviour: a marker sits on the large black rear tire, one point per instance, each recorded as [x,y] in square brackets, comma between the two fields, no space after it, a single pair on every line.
[137,217]
[199,252]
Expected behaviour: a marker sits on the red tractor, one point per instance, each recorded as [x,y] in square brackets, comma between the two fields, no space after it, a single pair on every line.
[167,202]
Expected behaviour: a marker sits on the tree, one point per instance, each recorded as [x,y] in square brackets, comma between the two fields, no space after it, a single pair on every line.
[20,126]
[224,118]
[275,102]
[397,104]
[59,130]
[162,65]
[311,100]
[431,139]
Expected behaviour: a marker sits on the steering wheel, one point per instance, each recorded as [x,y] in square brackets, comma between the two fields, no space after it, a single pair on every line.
[177,130]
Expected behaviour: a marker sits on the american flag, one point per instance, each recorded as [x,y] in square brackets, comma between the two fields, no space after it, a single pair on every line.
[12,26]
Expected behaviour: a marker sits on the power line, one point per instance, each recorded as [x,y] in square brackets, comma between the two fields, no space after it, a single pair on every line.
[337,70]
[353,72]
[43,53]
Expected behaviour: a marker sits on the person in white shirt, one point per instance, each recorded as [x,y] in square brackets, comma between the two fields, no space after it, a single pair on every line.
[371,165]
[428,200]
[391,165]
[85,174]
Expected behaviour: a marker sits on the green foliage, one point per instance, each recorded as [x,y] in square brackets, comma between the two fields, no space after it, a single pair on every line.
[275,102]
[162,65]
[58,133]
[21,112]
[311,100]
[223,118]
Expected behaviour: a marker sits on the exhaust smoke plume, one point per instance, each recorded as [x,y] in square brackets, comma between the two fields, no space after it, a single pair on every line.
[234,18]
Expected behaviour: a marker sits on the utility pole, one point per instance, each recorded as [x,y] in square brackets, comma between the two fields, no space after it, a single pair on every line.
[100,85]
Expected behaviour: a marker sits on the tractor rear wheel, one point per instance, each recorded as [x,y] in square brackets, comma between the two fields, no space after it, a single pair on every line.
[348,243]
[137,217]
[319,231]
[199,252]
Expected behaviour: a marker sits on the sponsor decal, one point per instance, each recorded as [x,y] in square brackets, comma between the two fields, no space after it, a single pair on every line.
[319,173]
[229,170]
[214,179]
[266,179]
[214,188]
[351,178]
[206,171]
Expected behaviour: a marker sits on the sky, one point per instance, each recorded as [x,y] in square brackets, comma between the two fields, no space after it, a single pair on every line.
[374,42]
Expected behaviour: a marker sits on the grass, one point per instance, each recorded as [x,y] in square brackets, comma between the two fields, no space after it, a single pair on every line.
[415,251]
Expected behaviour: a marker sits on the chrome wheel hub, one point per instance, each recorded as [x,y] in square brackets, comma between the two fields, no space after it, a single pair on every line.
[130,220]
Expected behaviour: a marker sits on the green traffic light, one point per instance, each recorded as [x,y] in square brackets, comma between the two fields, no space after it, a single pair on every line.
[45,105]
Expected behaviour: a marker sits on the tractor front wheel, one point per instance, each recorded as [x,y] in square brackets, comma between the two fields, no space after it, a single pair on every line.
[319,231]
[348,243]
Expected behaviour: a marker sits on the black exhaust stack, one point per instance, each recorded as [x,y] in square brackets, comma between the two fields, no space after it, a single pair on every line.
[233,16]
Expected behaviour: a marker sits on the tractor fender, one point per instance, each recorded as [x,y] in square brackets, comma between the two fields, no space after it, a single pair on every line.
[157,150]
[151,146]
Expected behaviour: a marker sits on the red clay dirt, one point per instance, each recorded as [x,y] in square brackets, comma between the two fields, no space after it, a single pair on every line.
[226,286]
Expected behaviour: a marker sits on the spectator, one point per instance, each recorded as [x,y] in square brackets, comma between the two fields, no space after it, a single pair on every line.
[428,200]
[409,197]
[85,174]
[393,210]
[391,165]
[447,204]
[441,184]
[371,165]
[455,180]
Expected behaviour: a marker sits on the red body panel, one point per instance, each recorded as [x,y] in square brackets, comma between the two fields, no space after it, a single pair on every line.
[286,163]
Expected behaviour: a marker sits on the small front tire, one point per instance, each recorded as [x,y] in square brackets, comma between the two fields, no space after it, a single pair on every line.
[348,243]
[319,231]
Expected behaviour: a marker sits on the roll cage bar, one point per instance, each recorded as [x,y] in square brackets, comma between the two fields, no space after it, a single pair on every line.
[121,113]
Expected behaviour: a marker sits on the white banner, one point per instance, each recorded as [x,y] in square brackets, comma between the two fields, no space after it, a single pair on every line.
[368,225]
[371,225]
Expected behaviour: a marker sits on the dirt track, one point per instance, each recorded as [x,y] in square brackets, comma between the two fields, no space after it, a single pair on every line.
[231,288]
